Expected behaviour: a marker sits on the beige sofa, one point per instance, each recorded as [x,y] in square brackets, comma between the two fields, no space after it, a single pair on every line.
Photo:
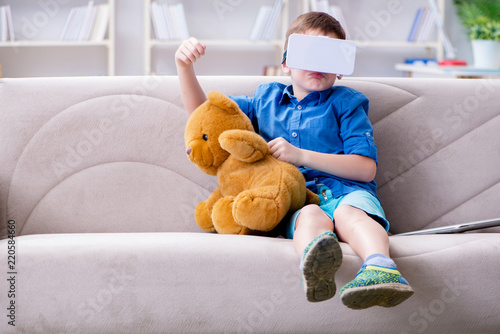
[95,184]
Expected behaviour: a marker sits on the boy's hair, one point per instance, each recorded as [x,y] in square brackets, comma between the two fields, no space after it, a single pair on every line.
[315,20]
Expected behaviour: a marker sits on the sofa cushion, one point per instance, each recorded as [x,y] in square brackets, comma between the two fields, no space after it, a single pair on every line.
[209,283]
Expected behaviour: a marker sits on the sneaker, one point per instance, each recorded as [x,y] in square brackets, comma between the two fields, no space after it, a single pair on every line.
[374,286]
[321,260]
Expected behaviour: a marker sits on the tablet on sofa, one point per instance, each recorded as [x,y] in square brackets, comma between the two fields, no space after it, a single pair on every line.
[458,228]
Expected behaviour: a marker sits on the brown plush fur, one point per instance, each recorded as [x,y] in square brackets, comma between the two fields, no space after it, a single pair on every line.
[255,190]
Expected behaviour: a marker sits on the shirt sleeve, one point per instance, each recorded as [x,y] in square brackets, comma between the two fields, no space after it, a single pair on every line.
[356,129]
[246,105]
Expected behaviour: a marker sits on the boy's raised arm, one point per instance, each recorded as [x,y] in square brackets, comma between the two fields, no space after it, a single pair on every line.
[191,92]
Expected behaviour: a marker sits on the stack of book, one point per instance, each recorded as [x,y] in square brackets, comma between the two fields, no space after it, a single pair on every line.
[333,10]
[86,23]
[423,25]
[265,22]
[169,21]
[6,26]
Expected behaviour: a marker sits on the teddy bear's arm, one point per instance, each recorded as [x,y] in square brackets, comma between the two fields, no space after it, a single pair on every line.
[246,146]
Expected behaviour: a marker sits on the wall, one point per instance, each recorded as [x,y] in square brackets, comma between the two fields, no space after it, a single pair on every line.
[59,61]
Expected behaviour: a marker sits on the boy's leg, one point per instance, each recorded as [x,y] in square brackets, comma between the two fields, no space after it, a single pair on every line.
[378,282]
[360,231]
[321,255]
[311,222]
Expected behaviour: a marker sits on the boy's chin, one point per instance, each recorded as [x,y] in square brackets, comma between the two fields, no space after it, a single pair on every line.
[320,84]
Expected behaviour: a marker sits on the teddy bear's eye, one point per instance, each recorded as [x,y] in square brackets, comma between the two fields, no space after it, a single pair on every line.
[205,137]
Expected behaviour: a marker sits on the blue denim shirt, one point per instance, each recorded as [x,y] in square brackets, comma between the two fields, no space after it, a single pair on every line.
[331,121]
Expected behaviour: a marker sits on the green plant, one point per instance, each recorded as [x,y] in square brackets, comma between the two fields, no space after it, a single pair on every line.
[481,18]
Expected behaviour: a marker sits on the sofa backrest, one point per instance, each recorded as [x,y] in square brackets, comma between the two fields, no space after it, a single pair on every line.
[106,154]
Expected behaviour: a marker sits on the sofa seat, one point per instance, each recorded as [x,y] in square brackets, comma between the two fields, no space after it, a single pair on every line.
[200,282]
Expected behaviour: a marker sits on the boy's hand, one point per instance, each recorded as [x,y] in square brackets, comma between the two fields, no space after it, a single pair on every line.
[189,51]
[284,151]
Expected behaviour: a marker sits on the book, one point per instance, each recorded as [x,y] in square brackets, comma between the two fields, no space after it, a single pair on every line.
[4,29]
[334,10]
[265,21]
[6,24]
[85,23]
[167,25]
[337,13]
[272,70]
[169,21]
[417,22]
[323,6]
[159,25]
[423,25]
[448,47]
[76,24]
[260,22]
[313,5]
[101,23]
[428,23]
[270,27]
[68,24]
[180,15]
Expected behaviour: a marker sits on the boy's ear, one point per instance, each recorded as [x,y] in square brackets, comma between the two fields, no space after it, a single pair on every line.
[285,68]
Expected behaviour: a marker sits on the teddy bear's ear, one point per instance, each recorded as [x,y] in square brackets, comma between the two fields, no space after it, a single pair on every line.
[224,102]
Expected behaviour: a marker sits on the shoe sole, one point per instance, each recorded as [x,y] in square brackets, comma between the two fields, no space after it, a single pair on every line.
[385,295]
[320,265]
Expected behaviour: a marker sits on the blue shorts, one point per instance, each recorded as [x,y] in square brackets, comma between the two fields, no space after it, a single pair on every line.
[359,199]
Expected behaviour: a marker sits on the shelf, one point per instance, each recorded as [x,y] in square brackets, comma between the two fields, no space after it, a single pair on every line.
[434,48]
[222,42]
[396,44]
[374,20]
[23,13]
[447,71]
[237,44]
[35,43]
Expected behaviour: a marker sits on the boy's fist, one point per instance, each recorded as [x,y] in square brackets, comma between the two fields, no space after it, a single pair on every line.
[189,51]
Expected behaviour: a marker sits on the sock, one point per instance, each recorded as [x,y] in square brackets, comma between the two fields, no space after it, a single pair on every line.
[379,260]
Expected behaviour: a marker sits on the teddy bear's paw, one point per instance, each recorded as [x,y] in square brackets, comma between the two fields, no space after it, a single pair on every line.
[222,216]
[312,198]
[256,211]
[244,145]
[203,217]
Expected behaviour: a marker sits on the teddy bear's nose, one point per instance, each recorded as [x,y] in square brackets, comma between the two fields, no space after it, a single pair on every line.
[188,152]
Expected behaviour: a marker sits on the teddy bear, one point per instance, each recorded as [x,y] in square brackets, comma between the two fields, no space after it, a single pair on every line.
[255,190]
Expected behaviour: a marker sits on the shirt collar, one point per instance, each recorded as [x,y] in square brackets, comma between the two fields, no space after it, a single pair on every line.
[287,95]
[314,97]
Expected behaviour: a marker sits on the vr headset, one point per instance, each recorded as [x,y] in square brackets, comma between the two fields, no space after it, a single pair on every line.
[320,54]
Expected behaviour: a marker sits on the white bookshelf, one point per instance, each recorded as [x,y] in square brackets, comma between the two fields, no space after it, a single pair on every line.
[352,10]
[55,42]
[238,44]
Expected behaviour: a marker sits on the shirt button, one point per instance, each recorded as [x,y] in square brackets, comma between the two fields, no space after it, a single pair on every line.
[368,134]
[299,107]
[294,134]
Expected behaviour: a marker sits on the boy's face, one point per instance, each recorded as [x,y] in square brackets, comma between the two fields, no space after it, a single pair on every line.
[305,82]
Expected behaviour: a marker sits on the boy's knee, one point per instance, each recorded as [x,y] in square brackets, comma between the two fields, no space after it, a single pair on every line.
[310,210]
[313,214]
[347,213]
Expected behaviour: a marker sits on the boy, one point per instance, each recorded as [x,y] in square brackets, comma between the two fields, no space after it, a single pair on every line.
[326,133]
